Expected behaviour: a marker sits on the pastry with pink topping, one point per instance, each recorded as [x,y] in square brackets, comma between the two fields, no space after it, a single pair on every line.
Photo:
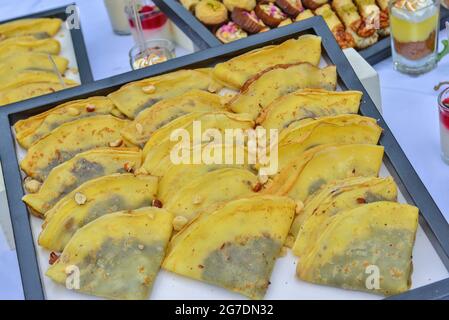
[270,14]
[230,32]
[247,20]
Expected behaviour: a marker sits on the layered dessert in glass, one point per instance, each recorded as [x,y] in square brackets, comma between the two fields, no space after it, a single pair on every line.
[414,32]
[443,105]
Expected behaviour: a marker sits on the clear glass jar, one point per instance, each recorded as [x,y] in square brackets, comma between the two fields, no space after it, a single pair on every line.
[157,51]
[414,34]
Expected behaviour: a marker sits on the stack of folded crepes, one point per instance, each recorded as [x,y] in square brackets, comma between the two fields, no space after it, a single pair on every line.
[30,64]
[354,23]
[118,212]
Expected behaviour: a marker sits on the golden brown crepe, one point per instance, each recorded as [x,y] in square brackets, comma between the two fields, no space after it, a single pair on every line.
[160,146]
[164,111]
[337,196]
[24,44]
[33,128]
[368,248]
[235,72]
[118,255]
[272,83]
[203,193]
[69,139]
[39,27]
[244,238]
[134,97]
[92,200]
[31,61]
[322,164]
[306,104]
[81,168]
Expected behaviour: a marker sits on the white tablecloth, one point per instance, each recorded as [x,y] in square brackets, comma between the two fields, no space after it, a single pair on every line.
[409,106]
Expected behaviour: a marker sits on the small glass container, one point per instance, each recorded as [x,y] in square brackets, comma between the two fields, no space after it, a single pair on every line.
[157,51]
[155,24]
[117,16]
[443,108]
[414,35]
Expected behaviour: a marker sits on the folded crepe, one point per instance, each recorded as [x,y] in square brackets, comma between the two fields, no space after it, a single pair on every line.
[333,198]
[341,129]
[164,111]
[322,164]
[39,27]
[368,248]
[306,104]
[177,176]
[18,79]
[116,256]
[235,72]
[31,90]
[160,146]
[137,96]
[81,168]
[92,200]
[212,188]
[31,61]
[14,46]
[244,238]
[69,139]
[268,85]
[34,128]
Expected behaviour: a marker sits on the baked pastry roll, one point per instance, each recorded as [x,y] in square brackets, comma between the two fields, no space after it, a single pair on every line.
[299,137]
[69,139]
[243,4]
[235,72]
[307,104]
[33,128]
[209,190]
[40,27]
[14,46]
[306,14]
[306,174]
[344,39]
[370,13]
[159,147]
[270,14]
[92,200]
[244,238]
[247,20]
[81,168]
[314,4]
[364,42]
[348,13]
[31,61]
[261,90]
[118,255]
[379,234]
[333,198]
[211,12]
[134,97]
[34,89]
[151,119]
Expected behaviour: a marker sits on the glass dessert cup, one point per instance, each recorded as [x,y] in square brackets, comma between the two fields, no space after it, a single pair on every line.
[155,24]
[157,51]
[414,35]
[443,108]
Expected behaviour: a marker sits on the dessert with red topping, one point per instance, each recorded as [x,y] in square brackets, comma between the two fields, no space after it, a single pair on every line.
[444,124]
[154,23]
[230,32]
[270,14]
[248,21]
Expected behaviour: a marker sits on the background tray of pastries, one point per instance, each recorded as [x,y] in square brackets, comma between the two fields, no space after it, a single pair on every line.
[42,53]
[222,21]
[90,161]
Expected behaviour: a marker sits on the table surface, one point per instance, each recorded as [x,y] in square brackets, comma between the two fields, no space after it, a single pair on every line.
[409,108]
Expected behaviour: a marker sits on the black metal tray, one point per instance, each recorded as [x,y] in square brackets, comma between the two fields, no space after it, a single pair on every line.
[431,219]
[373,54]
[79,46]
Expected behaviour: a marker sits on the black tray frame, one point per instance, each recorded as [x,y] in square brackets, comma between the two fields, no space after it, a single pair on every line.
[79,46]
[431,219]
[374,54]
